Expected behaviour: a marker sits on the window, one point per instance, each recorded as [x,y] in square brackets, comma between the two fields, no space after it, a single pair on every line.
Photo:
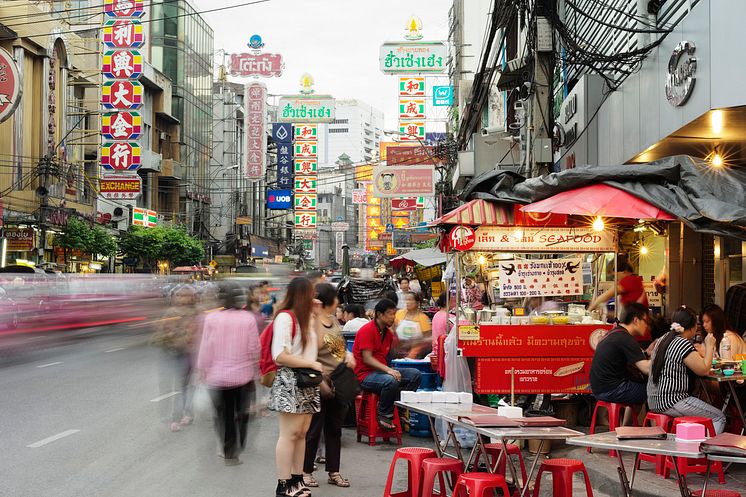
[339,130]
[340,121]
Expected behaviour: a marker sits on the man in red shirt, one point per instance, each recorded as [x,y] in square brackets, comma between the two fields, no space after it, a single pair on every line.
[371,350]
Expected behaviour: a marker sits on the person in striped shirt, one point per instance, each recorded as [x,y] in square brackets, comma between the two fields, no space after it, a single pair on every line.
[674,366]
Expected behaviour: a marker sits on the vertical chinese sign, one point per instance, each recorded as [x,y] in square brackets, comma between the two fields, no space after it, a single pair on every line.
[256,129]
[121,96]
[282,135]
[306,175]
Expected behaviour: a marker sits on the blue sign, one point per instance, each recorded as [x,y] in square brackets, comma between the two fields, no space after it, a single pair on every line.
[434,138]
[285,167]
[282,132]
[442,96]
[256,42]
[279,199]
[389,228]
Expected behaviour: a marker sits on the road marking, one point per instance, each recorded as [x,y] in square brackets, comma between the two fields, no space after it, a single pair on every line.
[114,350]
[35,338]
[164,397]
[47,365]
[51,439]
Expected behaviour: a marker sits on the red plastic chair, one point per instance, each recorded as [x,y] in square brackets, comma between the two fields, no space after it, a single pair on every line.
[616,413]
[478,485]
[664,421]
[562,471]
[366,406]
[438,467]
[494,450]
[716,493]
[415,456]
[685,465]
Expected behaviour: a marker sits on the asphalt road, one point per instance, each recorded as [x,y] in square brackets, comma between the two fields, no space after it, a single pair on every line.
[87,417]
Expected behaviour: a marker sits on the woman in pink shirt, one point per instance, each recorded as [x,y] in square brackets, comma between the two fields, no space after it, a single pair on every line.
[228,357]
[441,325]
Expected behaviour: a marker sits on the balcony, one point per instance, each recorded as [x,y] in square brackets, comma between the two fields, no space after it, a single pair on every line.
[170,169]
[151,161]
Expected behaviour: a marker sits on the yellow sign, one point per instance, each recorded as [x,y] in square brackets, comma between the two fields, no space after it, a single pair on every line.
[214,263]
[243,220]
[468,332]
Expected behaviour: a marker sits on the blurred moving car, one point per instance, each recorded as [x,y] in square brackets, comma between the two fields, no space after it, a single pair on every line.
[8,311]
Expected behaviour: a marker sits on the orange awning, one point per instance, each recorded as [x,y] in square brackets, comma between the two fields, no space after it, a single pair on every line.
[479,212]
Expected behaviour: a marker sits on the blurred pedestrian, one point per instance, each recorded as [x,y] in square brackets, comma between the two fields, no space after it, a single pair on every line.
[332,354]
[228,358]
[294,345]
[176,337]
[401,293]
[354,317]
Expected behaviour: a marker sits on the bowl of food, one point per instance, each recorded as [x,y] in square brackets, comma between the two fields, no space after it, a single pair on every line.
[539,319]
[560,319]
[729,372]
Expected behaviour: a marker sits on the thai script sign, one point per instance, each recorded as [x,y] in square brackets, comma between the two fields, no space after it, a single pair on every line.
[10,85]
[19,239]
[266,65]
[404,204]
[413,57]
[529,239]
[411,155]
[540,277]
[120,186]
[306,109]
[256,130]
[537,374]
[359,196]
[682,68]
[403,181]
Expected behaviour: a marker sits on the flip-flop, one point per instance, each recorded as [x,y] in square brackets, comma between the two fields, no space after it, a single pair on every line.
[386,425]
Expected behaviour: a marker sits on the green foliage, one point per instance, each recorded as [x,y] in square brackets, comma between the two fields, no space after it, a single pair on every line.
[102,243]
[77,235]
[153,244]
[432,243]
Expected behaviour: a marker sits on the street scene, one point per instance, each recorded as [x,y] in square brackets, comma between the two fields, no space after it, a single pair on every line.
[449,248]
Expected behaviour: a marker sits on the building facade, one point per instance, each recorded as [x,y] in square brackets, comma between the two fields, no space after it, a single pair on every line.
[180,45]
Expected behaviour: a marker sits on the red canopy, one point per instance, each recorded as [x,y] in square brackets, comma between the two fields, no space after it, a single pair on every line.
[599,200]
[478,212]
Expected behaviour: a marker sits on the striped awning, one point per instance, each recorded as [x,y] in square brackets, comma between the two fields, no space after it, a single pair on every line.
[479,213]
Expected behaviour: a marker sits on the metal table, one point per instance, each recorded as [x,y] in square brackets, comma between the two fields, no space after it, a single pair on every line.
[724,459]
[667,447]
[731,382]
[450,413]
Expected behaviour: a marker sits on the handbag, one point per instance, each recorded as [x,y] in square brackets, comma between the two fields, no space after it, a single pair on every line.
[307,377]
[326,387]
[345,384]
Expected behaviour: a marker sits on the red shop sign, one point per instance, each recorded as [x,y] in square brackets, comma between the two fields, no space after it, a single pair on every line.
[576,340]
[404,204]
[462,238]
[10,85]
[533,374]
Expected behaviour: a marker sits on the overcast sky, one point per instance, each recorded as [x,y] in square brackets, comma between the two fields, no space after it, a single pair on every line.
[336,41]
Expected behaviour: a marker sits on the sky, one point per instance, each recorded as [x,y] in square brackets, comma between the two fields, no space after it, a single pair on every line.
[336,41]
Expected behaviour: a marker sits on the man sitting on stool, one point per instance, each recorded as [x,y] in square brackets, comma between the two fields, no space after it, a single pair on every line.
[371,350]
[619,363]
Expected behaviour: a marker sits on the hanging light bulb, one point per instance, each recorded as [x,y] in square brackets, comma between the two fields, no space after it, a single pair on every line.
[717,160]
[482,260]
[598,224]
[644,250]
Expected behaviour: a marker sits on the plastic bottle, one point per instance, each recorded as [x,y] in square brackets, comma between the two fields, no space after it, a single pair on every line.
[725,353]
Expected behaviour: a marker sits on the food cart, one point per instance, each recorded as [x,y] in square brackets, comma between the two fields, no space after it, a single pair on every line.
[520,257]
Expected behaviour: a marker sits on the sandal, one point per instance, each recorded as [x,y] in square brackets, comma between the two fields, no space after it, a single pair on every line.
[321,460]
[175,427]
[310,481]
[386,425]
[336,479]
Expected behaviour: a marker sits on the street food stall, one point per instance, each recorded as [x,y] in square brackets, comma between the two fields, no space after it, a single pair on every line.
[427,264]
[531,332]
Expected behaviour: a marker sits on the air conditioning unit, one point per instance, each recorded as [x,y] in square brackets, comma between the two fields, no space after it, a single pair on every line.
[163,135]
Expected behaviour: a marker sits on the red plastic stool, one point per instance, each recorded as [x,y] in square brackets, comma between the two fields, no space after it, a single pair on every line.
[562,471]
[437,467]
[685,465]
[477,485]
[414,456]
[366,406]
[716,493]
[664,421]
[494,450]
[616,412]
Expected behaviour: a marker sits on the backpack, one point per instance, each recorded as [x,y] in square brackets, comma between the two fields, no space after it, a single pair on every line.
[267,365]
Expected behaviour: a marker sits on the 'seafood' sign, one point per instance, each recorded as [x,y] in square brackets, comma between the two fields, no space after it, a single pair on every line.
[527,239]
[468,332]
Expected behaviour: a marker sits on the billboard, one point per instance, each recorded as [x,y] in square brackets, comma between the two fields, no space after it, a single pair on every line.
[279,199]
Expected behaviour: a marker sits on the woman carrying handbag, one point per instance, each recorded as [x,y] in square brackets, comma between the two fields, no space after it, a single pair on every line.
[337,391]
[294,350]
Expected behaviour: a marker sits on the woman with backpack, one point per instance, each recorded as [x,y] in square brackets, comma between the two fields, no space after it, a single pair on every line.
[294,347]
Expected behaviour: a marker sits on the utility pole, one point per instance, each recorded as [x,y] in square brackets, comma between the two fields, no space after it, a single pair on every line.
[43,193]
[540,148]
